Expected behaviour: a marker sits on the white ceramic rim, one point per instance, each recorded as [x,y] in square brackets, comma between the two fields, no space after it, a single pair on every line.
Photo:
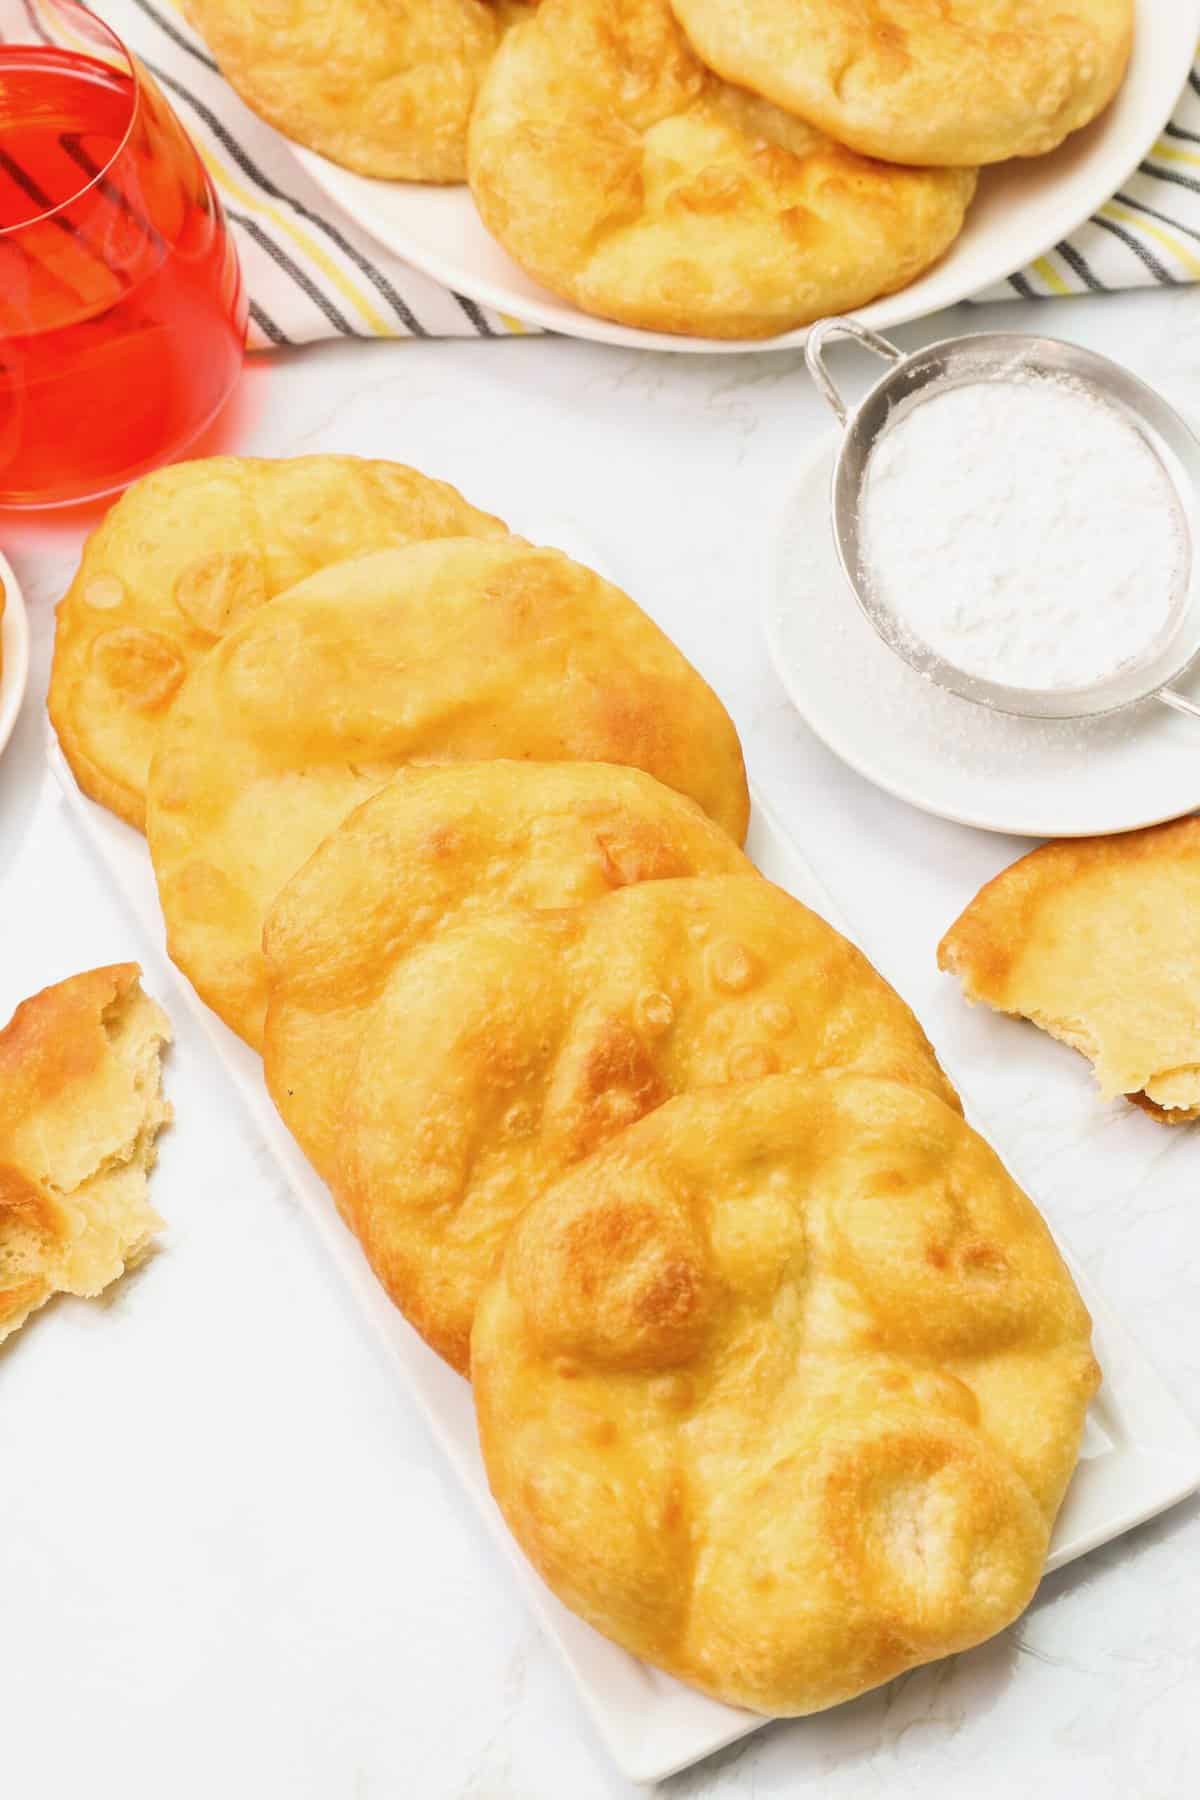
[1108,169]
[876,772]
[14,641]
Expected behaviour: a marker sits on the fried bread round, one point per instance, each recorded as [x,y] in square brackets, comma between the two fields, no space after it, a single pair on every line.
[622,174]
[189,552]
[383,86]
[447,651]
[781,1389]
[956,83]
[434,845]
[516,1042]
[1097,940]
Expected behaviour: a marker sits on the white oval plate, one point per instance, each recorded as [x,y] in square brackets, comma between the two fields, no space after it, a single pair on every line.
[1140,1452]
[14,645]
[1022,209]
[1025,777]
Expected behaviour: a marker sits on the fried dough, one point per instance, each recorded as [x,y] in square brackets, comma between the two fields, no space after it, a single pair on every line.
[188,553]
[432,846]
[447,651]
[384,87]
[80,1108]
[624,176]
[515,1043]
[956,83]
[1097,940]
[781,1389]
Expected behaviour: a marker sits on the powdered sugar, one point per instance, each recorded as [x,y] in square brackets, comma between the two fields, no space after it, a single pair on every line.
[1023,531]
[1039,777]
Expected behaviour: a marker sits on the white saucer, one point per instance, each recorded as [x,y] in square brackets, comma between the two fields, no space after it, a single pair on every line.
[14,644]
[1026,777]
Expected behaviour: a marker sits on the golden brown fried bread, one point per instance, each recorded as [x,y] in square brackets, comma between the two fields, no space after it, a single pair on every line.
[1097,940]
[623,175]
[515,1043]
[80,1107]
[383,86]
[434,845]
[191,551]
[781,1389]
[953,83]
[449,651]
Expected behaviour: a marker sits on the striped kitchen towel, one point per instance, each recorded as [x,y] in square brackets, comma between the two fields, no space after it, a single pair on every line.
[1149,232]
[312,273]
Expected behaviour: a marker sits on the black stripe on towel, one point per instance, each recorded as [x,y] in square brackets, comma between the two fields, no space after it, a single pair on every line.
[1157,269]
[73,146]
[475,315]
[403,311]
[336,317]
[1172,175]
[57,216]
[1153,213]
[1076,262]
[176,36]
[268,327]
[31,15]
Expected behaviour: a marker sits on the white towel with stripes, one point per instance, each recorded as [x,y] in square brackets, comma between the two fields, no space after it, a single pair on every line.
[312,273]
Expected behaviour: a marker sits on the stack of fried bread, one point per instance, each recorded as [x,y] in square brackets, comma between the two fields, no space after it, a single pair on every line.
[686,165]
[780,1378]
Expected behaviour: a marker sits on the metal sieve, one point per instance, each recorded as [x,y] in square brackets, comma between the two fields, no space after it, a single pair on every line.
[998,355]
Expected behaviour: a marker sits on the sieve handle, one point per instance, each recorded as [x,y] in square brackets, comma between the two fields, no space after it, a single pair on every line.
[1169,697]
[820,335]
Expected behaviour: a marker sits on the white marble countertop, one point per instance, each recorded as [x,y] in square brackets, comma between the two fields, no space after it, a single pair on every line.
[230,1560]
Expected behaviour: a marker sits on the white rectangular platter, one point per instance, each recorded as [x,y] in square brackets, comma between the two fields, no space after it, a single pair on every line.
[1141,1454]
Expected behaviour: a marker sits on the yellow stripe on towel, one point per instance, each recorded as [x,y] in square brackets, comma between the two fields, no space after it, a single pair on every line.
[228,184]
[1137,223]
[1050,275]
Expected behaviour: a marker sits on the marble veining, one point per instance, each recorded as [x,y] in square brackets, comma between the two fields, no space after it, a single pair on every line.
[224,1535]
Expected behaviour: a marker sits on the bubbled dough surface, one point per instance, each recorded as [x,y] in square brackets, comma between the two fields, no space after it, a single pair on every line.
[447,651]
[188,553]
[623,175]
[382,86]
[956,83]
[430,847]
[518,1042]
[1097,940]
[781,1389]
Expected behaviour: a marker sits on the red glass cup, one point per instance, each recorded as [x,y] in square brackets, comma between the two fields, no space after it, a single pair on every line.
[122,309]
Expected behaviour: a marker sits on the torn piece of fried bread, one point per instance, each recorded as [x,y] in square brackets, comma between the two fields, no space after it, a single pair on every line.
[1097,940]
[81,1104]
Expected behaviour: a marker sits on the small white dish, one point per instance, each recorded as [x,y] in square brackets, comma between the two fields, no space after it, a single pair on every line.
[14,646]
[1140,1453]
[1024,777]
[1023,208]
